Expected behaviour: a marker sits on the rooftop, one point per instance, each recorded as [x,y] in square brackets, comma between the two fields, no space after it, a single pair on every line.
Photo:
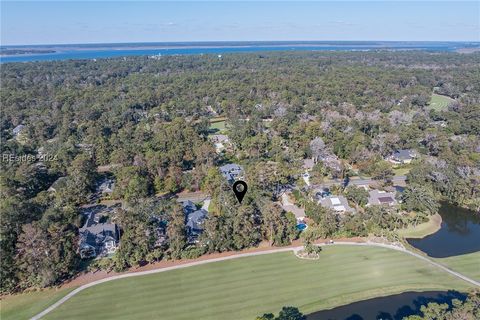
[188,206]
[231,171]
[337,203]
[404,154]
[378,197]
[308,164]
[195,220]
[218,138]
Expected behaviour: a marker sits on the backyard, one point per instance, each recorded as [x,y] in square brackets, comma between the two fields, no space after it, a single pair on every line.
[217,125]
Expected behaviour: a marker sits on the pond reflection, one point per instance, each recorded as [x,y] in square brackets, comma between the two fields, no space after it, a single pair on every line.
[459,234]
[394,307]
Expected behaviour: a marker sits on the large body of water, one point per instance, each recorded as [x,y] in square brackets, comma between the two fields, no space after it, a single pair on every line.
[394,307]
[459,234]
[96,51]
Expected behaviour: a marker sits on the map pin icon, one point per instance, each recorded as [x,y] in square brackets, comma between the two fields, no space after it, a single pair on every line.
[239,188]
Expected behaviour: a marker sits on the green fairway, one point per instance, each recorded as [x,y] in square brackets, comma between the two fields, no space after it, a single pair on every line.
[247,287]
[24,306]
[467,264]
[439,102]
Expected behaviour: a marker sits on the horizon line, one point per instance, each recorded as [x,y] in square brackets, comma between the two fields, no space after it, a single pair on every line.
[235,41]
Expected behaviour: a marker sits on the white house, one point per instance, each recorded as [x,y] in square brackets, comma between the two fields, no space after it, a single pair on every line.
[338,204]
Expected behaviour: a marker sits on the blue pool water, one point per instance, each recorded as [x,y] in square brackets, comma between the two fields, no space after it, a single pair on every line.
[301,226]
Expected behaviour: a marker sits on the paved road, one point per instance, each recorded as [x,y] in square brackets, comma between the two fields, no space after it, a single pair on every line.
[357,182]
[241,255]
[192,196]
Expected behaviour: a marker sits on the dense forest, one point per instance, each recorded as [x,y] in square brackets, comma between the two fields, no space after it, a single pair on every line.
[147,119]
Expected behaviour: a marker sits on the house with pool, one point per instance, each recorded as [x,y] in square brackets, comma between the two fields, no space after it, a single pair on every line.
[299,213]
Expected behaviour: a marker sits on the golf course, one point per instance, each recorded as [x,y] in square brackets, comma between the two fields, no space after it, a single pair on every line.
[250,286]
[467,264]
[25,305]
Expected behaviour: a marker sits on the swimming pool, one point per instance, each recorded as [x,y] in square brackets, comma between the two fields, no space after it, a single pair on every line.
[301,226]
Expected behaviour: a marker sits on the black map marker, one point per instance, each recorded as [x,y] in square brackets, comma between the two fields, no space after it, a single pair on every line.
[240,188]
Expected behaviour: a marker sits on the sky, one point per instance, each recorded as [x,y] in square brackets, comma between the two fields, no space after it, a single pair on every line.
[70,22]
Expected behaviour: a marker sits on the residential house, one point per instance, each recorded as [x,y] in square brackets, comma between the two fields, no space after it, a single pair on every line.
[231,172]
[403,156]
[194,220]
[220,141]
[211,111]
[379,197]
[189,207]
[85,147]
[440,123]
[97,238]
[331,161]
[106,186]
[290,207]
[59,184]
[18,129]
[338,204]
[308,164]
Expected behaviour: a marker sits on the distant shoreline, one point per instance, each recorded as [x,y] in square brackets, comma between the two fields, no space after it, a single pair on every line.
[93,51]
[241,44]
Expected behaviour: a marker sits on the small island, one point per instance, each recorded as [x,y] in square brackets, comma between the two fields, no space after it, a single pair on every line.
[15,52]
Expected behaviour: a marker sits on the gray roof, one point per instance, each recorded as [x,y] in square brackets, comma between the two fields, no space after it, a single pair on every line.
[195,220]
[404,154]
[106,186]
[297,211]
[377,197]
[188,206]
[231,171]
[58,184]
[18,129]
[308,164]
[218,138]
[95,234]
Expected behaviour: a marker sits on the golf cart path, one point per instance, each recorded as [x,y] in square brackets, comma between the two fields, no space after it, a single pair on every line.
[242,255]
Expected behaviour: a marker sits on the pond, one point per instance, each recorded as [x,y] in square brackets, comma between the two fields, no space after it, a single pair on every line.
[394,307]
[459,234]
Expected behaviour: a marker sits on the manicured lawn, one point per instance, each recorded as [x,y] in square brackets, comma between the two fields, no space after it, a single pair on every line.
[24,306]
[439,102]
[246,287]
[467,264]
[402,171]
[218,124]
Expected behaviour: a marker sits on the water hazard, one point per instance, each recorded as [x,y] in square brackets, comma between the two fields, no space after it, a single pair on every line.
[393,307]
[459,234]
